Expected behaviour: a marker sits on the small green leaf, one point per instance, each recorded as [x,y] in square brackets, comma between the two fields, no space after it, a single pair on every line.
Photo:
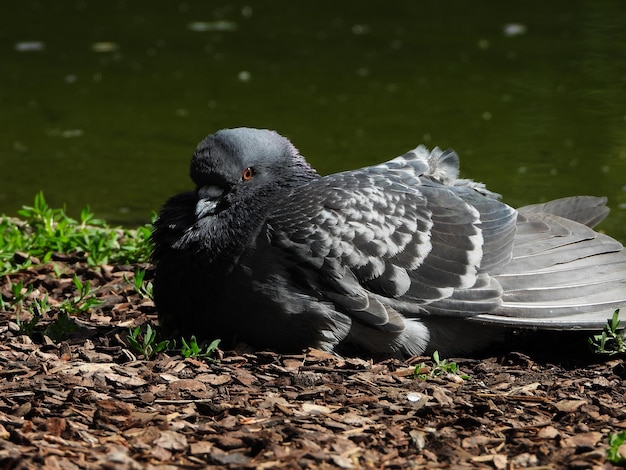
[612,340]
[440,367]
[615,441]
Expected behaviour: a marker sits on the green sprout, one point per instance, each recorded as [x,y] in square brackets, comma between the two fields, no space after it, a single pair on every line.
[192,349]
[615,442]
[612,340]
[64,325]
[143,288]
[440,367]
[43,231]
[145,342]
[19,294]
[84,301]
[61,328]
[39,308]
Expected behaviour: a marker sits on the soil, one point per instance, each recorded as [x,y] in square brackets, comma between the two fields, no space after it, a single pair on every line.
[89,401]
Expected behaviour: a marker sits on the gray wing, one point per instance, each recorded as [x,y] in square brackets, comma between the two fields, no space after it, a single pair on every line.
[404,236]
[562,273]
[587,210]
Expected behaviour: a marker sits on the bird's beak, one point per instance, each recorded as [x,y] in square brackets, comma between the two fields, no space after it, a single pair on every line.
[208,199]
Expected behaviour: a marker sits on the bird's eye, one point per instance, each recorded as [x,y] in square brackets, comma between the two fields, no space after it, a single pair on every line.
[247,174]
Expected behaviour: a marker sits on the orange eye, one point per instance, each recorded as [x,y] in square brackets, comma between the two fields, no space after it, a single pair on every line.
[247,174]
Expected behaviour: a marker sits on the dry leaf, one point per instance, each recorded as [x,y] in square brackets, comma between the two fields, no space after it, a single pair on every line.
[313,408]
[549,432]
[584,442]
[266,410]
[171,440]
[218,379]
[569,406]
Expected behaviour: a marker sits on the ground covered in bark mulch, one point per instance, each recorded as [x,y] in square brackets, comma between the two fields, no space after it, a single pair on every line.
[89,401]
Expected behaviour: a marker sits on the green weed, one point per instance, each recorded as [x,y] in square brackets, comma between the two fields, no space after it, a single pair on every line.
[440,367]
[613,453]
[84,301]
[612,340]
[27,327]
[19,294]
[192,349]
[16,303]
[144,342]
[42,231]
[61,328]
[40,308]
[143,288]
[64,325]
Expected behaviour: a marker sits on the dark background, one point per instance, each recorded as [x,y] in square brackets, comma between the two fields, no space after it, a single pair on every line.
[103,102]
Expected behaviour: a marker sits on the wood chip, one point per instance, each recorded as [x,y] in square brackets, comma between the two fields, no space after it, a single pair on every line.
[88,402]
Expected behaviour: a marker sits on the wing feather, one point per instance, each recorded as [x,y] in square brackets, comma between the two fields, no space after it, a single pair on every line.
[394,236]
[406,240]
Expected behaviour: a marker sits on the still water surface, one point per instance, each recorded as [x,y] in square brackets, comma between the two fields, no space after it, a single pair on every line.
[103,102]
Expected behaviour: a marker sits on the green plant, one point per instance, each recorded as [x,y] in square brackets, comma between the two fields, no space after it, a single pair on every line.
[145,342]
[440,367]
[83,302]
[615,441]
[37,309]
[63,325]
[612,340]
[42,231]
[136,246]
[27,327]
[40,306]
[143,288]
[18,295]
[192,349]
[61,328]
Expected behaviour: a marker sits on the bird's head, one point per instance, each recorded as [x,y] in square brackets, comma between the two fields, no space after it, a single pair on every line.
[240,175]
[237,166]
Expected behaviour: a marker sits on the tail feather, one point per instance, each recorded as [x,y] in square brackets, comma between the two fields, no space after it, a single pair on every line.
[567,319]
[563,275]
[587,210]
[581,294]
[571,275]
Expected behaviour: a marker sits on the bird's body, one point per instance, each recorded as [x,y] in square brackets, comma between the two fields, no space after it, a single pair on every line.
[397,258]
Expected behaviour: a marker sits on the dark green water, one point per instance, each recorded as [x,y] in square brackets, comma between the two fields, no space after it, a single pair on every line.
[103,102]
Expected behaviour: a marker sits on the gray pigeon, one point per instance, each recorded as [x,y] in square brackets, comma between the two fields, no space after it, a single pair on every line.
[399,258]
